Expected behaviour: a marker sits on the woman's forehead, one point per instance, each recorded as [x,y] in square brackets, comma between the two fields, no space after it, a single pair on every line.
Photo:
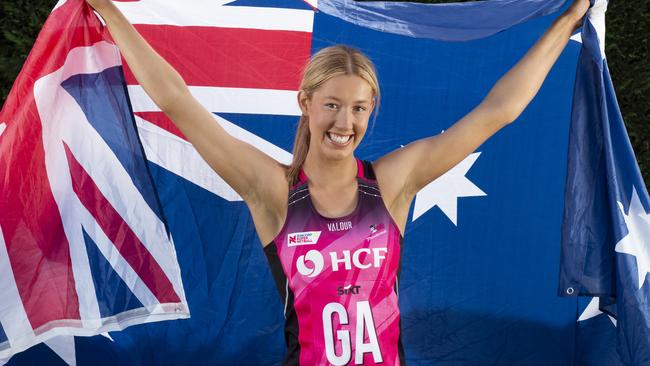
[346,88]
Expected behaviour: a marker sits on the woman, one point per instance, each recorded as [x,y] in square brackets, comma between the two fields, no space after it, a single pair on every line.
[332,224]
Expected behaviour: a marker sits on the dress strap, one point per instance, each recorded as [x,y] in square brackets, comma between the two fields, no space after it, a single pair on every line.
[365,170]
[360,169]
[302,177]
[300,180]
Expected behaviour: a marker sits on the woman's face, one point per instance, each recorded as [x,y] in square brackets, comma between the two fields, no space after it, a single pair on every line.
[338,115]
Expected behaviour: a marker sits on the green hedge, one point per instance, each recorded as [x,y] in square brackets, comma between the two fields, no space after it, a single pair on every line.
[628,55]
[20,23]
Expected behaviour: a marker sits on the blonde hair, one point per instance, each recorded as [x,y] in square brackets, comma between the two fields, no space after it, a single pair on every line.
[325,64]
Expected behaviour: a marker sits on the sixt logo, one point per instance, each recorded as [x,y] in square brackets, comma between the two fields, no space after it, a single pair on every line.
[362,258]
[348,290]
[303,238]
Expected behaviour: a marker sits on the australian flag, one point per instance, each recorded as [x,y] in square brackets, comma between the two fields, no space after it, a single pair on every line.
[606,227]
[556,192]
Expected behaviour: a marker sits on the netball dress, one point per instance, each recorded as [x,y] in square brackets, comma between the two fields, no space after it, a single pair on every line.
[338,280]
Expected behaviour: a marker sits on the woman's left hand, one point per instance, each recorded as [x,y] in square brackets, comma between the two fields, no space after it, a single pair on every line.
[577,10]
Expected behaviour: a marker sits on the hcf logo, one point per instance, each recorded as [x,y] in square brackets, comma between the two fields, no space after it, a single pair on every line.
[362,258]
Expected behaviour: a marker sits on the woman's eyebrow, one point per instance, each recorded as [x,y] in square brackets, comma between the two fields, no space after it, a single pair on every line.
[338,100]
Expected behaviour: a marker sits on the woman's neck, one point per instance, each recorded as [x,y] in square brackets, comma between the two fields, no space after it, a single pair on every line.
[330,174]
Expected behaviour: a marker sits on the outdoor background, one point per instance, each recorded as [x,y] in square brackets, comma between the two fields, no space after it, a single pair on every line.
[627,49]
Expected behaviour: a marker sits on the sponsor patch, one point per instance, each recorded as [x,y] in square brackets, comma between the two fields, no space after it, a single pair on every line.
[303,238]
[348,290]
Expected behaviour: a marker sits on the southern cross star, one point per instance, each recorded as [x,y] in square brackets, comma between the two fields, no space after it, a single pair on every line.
[637,240]
[593,310]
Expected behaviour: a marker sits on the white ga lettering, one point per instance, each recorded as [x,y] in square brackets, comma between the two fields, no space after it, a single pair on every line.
[348,260]
[364,321]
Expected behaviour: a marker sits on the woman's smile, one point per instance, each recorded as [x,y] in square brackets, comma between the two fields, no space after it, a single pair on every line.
[339,139]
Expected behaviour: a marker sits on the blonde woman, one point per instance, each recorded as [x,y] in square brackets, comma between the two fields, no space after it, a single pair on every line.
[332,224]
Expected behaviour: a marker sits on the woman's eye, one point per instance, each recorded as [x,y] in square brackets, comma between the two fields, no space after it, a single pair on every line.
[331,106]
[360,109]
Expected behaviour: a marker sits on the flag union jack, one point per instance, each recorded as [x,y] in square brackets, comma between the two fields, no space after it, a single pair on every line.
[84,246]
[243,63]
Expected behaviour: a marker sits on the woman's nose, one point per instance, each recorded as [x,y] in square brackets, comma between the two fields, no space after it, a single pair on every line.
[345,120]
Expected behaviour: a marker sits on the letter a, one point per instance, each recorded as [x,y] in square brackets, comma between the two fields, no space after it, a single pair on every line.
[365,320]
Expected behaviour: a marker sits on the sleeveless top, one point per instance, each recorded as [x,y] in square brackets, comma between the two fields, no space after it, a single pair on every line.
[338,278]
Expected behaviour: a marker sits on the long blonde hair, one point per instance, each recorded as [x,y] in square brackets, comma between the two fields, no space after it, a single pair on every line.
[325,64]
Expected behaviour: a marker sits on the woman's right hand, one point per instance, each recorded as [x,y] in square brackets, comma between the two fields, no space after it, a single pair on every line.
[99,5]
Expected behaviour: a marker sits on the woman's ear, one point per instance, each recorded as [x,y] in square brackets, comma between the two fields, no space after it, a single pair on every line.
[303,103]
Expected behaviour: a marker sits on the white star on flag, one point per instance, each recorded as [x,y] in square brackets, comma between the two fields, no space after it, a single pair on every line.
[445,191]
[592,310]
[637,240]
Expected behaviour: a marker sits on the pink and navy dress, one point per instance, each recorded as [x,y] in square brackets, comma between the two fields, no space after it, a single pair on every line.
[338,280]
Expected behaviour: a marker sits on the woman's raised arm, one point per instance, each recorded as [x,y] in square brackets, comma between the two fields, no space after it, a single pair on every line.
[258,178]
[403,172]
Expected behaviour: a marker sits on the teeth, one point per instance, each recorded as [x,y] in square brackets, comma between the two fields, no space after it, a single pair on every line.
[339,139]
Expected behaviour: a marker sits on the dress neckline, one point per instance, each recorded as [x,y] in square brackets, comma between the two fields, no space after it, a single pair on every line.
[303,179]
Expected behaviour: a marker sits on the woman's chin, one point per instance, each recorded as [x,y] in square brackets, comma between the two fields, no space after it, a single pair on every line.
[338,153]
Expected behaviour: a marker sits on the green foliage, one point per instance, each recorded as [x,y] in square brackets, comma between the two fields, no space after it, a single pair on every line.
[20,23]
[628,55]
